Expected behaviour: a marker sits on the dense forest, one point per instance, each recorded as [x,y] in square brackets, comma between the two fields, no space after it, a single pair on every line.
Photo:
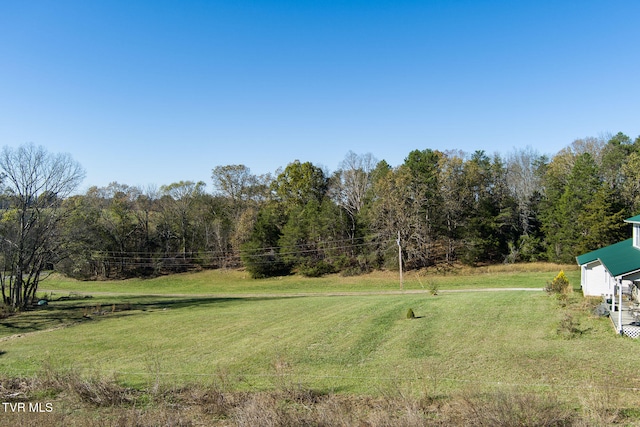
[440,207]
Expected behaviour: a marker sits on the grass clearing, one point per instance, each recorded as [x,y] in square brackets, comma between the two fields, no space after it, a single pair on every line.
[216,282]
[353,344]
[360,345]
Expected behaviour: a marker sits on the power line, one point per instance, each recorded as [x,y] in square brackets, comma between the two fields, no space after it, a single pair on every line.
[129,256]
[320,243]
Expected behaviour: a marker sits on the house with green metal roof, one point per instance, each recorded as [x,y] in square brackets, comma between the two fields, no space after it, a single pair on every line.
[619,263]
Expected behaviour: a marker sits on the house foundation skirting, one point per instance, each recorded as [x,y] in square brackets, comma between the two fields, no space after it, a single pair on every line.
[630,326]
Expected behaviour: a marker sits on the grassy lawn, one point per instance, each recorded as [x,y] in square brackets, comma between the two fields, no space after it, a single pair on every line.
[358,344]
[261,343]
[216,282]
[71,300]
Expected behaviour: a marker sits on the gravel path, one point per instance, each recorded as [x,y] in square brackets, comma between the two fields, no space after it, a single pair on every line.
[296,294]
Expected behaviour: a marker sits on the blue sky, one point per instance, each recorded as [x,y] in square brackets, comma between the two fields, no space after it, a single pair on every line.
[154,92]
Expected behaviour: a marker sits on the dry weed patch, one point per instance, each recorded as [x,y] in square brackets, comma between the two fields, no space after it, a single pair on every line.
[91,402]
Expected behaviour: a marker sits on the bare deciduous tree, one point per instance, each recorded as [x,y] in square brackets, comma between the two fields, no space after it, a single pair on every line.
[35,182]
[179,201]
[455,196]
[352,182]
[523,182]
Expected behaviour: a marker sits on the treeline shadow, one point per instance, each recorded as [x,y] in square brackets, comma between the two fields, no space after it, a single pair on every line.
[67,311]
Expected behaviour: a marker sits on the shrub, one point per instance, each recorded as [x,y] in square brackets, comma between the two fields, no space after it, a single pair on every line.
[6,311]
[433,287]
[514,408]
[354,267]
[98,391]
[411,314]
[559,285]
[316,269]
[569,328]
[262,263]
[352,271]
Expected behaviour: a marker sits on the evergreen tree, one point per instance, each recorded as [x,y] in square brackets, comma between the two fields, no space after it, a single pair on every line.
[600,224]
[564,233]
[427,223]
[261,254]
[491,212]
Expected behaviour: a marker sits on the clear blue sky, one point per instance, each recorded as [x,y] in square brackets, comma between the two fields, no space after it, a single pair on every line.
[154,92]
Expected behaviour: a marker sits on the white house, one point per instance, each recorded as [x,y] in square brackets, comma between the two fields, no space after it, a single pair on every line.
[620,262]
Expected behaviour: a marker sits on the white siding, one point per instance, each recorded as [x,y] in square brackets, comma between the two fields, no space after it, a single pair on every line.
[596,280]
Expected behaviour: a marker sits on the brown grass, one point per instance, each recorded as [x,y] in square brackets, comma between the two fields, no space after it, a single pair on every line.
[529,267]
[513,408]
[79,401]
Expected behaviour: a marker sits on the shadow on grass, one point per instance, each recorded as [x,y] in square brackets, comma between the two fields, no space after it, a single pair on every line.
[68,312]
[148,303]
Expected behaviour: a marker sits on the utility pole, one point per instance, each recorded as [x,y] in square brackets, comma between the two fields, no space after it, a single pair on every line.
[400,261]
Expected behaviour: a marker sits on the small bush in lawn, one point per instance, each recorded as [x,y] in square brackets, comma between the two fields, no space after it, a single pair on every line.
[6,311]
[433,287]
[559,285]
[569,328]
[411,314]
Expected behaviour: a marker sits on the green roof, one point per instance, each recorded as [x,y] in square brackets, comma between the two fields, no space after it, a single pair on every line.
[633,219]
[619,258]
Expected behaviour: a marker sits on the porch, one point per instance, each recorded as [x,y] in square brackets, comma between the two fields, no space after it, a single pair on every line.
[626,321]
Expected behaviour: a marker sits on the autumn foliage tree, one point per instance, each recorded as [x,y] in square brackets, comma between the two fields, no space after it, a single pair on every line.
[445,206]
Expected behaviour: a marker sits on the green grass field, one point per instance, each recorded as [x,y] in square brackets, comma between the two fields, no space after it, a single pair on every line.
[333,335]
[218,282]
[347,343]
[336,335]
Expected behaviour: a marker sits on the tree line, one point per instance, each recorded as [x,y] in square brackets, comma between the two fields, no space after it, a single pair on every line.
[441,207]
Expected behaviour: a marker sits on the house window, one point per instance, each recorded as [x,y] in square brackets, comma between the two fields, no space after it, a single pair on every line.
[636,235]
